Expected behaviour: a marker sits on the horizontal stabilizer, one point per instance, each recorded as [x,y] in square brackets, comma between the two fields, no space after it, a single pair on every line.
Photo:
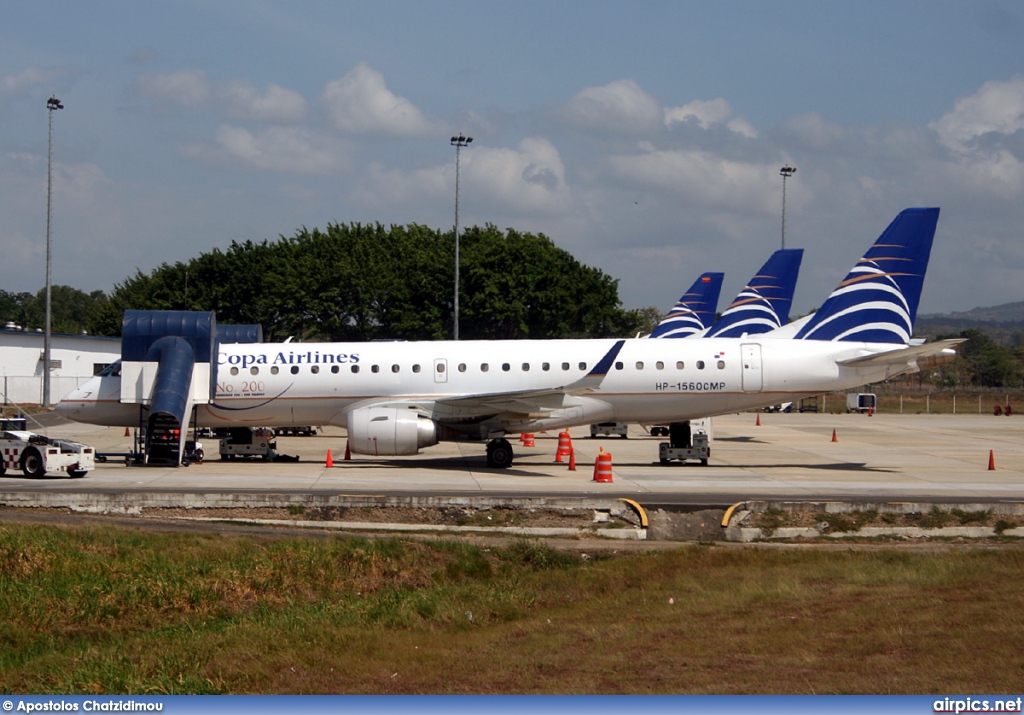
[916,357]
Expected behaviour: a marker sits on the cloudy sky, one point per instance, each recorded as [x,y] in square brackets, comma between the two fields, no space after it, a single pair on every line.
[644,137]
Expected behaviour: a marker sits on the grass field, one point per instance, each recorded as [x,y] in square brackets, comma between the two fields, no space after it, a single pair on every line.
[107,610]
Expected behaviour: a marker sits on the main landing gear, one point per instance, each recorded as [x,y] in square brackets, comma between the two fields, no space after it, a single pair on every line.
[499,453]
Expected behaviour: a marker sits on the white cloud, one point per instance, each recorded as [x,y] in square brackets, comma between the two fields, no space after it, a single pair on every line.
[620,106]
[188,88]
[192,89]
[15,84]
[703,178]
[815,130]
[360,103]
[275,149]
[529,178]
[277,105]
[998,107]
[704,112]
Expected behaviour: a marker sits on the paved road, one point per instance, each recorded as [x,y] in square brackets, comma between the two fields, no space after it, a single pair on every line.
[786,456]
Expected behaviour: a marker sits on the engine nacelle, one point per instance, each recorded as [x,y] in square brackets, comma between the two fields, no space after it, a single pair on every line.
[387,431]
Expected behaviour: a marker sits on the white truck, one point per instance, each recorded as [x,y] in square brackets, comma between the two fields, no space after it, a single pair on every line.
[35,454]
[248,442]
[861,402]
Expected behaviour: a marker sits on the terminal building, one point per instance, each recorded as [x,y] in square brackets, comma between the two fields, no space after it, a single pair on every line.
[73,360]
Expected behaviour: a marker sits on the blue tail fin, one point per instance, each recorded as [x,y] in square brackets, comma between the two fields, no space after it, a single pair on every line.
[695,310]
[877,301]
[763,305]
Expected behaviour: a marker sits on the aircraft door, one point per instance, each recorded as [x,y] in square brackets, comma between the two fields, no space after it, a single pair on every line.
[440,370]
[751,353]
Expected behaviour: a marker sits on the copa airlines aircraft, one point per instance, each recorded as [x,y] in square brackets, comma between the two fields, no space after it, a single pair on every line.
[396,398]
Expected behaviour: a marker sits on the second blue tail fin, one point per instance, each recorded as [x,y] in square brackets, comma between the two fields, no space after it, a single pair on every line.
[877,301]
[764,303]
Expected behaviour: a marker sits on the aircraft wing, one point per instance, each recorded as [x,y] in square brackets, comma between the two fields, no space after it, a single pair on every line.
[915,357]
[529,401]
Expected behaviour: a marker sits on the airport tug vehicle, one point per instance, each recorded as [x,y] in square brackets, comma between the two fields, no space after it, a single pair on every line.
[36,455]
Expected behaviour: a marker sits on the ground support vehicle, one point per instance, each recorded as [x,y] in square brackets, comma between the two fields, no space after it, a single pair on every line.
[35,454]
[248,442]
[861,402]
[610,428]
[688,441]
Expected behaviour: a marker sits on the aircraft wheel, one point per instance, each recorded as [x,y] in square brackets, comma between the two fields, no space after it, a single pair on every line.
[499,454]
[32,463]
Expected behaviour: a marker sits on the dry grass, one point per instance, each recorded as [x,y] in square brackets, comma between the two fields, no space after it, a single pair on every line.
[105,611]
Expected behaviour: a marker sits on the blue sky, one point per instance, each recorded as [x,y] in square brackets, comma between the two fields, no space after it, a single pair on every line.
[643,137]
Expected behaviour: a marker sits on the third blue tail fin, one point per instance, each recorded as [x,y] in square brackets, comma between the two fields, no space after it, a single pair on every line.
[877,301]
[694,311]
[762,305]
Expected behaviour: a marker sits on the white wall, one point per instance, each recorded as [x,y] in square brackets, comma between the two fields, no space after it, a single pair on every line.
[21,365]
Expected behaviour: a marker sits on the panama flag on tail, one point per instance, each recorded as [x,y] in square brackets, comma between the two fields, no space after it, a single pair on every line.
[877,301]
[763,304]
[695,310]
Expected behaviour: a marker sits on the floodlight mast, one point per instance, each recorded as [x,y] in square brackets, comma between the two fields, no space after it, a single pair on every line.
[785,172]
[458,142]
[52,104]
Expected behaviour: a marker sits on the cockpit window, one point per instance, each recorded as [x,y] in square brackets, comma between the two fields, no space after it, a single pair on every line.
[112,370]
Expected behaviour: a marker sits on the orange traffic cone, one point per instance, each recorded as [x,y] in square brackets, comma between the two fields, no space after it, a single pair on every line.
[758,423]
[127,433]
[330,459]
[529,440]
[572,460]
[348,452]
[603,468]
[871,412]
[991,461]
[564,445]
[834,435]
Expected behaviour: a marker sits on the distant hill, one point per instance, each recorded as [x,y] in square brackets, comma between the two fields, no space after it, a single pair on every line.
[1003,323]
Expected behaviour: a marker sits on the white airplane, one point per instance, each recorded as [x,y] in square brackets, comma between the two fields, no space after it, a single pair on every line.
[396,398]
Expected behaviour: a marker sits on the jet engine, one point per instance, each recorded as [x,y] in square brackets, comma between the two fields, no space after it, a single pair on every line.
[387,431]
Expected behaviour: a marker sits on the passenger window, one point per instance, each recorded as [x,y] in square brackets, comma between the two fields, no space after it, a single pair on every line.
[526,367]
[700,364]
[395,368]
[506,367]
[295,369]
[440,367]
[618,365]
[484,367]
[462,367]
[679,365]
[355,369]
[660,365]
[639,365]
[415,368]
[375,368]
[565,366]
[315,369]
[583,366]
[234,371]
[335,369]
[721,364]
[545,366]
[274,370]
[254,370]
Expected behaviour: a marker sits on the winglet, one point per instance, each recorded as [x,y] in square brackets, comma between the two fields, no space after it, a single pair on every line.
[763,305]
[694,311]
[877,301]
[593,379]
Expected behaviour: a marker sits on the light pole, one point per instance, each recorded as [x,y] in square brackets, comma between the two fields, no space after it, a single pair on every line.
[52,104]
[786,172]
[458,142]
